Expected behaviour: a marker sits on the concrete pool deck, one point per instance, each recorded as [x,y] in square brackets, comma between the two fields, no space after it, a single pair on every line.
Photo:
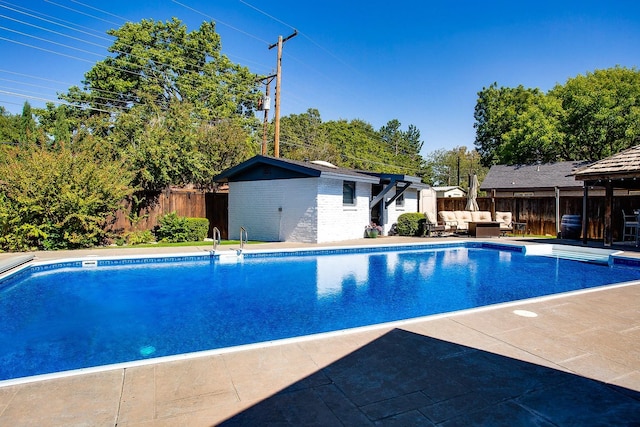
[576,363]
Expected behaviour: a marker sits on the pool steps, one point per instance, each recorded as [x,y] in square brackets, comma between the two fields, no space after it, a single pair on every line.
[230,257]
[592,255]
[12,263]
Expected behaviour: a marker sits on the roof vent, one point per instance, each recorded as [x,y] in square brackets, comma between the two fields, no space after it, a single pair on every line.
[323,163]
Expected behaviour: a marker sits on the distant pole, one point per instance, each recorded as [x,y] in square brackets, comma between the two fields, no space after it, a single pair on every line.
[265,123]
[276,142]
[265,107]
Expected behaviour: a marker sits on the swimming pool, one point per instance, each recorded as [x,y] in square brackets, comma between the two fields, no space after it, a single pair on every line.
[76,314]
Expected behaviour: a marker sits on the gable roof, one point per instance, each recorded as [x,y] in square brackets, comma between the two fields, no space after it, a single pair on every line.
[520,177]
[625,164]
[266,168]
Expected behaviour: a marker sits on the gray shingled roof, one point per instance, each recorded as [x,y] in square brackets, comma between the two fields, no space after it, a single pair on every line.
[320,167]
[304,168]
[625,164]
[521,177]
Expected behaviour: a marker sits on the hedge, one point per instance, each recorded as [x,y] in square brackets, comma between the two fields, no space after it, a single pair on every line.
[173,228]
[411,224]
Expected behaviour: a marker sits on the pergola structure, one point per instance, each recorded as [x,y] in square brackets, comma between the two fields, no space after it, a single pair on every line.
[620,171]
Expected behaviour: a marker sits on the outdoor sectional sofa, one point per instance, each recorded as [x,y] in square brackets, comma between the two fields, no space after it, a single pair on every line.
[459,220]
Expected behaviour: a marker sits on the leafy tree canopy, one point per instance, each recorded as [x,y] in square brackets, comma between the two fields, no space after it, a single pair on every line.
[161,63]
[588,118]
[352,143]
[453,167]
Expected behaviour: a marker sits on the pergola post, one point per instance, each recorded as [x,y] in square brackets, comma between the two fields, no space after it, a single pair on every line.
[608,209]
[585,212]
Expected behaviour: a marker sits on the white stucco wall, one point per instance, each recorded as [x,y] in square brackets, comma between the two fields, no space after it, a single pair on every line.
[307,210]
[394,211]
[339,222]
[274,210]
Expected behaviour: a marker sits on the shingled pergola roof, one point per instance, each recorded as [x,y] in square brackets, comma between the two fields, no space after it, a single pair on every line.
[623,168]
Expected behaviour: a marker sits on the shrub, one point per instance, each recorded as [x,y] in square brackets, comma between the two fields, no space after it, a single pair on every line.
[198,228]
[139,237]
[58,199]
[411,224]
[173,228]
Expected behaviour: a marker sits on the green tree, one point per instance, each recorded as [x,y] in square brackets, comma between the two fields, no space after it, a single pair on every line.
[499,113]
[404,146]
[179,104]
[358,144]
[55,125]
[170,148]
[536,133]
[161,63]
[9,127]
[28,129]
[445,166]
[602,113]
[305,137]
[588,118]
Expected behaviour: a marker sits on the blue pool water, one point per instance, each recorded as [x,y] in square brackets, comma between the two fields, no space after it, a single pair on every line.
[67,317]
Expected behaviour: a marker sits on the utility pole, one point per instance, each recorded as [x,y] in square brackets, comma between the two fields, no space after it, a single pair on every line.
[265,106]
[276,142]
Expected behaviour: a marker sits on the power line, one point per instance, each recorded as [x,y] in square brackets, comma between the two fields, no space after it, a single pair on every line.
[52,101]
[98,10]
[220,22]
[34,14]
[49,41]
[52,31]
[308,146]
[81,13]
[301,33]
[67,84]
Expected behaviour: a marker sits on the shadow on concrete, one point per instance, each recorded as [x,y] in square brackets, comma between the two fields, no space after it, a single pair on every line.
[407,379]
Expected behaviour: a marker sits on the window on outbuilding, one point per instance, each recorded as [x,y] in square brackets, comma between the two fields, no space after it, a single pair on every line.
[349,193]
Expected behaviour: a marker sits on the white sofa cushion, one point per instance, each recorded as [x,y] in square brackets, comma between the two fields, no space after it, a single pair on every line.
[431,217]
[448,218]
[481,216]
[463,218]
[505,219]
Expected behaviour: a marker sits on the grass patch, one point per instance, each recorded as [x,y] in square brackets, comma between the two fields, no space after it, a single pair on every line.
[183,244]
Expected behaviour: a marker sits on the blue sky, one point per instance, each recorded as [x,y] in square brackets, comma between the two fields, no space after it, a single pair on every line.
[421,62]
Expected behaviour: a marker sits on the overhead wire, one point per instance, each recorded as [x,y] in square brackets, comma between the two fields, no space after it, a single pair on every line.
[67,84]
[52,20]
[309,146]
[221,22]
[73,27]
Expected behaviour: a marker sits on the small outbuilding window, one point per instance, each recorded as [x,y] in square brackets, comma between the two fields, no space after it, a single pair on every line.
[349,193]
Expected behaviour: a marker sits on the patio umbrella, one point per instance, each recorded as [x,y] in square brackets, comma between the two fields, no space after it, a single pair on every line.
[472,204]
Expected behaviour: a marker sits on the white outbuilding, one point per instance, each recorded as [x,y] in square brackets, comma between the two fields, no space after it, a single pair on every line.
[277,199]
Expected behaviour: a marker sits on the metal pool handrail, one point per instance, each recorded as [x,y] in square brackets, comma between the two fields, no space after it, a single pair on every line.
[216,242]
[246,237]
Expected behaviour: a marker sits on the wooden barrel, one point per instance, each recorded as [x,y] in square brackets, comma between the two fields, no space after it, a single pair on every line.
[571,227]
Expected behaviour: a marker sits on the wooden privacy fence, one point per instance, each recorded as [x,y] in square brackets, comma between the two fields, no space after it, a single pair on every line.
[539,213]
[184,202]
